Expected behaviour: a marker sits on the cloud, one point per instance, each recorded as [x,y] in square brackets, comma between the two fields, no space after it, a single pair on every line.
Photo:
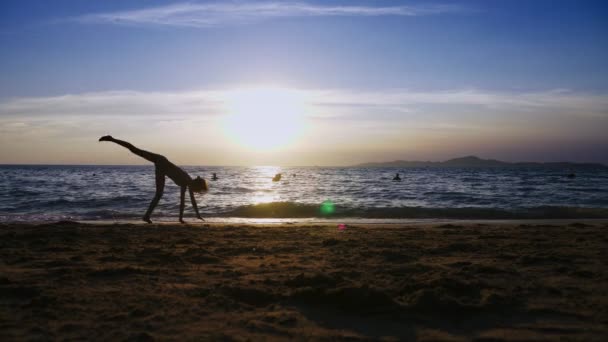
[212,103]
[201,15]
[345,118]
[115,104]
[555,99]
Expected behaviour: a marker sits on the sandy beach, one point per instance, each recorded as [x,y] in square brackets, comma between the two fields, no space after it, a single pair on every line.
[514,281]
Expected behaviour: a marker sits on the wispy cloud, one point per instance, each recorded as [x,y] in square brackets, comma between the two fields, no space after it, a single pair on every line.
[555,100]
[201,15]
[209,103]
[115,104]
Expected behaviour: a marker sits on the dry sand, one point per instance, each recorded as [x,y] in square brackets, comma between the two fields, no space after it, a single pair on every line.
[448,282]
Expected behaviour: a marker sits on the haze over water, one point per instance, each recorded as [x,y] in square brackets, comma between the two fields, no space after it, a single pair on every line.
[46,193]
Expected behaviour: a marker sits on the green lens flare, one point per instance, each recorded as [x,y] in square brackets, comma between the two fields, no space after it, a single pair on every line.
[327,208]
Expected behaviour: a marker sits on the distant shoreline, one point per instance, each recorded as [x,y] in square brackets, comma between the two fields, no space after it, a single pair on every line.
[474,162]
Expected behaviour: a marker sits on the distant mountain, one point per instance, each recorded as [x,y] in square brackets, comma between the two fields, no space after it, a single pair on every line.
[473,161]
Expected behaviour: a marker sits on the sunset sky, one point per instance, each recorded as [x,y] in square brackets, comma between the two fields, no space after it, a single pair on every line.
[303,82]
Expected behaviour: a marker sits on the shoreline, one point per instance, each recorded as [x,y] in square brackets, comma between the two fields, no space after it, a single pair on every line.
[289,211]
[238,221]
[426,281]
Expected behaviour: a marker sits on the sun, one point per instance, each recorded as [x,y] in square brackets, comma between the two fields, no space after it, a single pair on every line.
[264,118]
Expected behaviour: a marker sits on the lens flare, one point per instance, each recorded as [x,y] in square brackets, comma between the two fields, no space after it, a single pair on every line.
[327,208]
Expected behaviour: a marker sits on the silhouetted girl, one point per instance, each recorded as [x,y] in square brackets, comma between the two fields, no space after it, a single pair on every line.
[164,168]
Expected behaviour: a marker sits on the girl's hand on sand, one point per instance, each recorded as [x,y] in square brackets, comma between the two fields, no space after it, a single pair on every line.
[106,138]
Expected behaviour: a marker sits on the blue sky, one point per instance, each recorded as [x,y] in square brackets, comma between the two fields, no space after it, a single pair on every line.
[515,80]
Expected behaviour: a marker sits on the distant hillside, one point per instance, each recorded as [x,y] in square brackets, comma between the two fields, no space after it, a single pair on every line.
[472,161]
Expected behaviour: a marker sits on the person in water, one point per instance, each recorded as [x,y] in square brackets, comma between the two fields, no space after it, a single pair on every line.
[214,177]
[163,167]
[397,178]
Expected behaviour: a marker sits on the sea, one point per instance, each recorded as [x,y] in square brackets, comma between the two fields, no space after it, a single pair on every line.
[41,193]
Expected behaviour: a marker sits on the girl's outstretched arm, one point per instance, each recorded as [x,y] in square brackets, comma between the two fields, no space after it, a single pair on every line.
[193,200]
[182,199]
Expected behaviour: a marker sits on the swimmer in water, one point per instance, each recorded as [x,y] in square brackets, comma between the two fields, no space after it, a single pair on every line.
[165,168]
[397,178]
[214,177]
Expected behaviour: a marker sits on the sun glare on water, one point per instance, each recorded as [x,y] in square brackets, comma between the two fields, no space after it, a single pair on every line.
[264,118]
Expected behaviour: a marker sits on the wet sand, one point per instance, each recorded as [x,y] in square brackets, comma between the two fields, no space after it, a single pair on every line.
[428,282]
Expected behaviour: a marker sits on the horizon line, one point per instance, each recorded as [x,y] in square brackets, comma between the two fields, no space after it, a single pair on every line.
[313,166]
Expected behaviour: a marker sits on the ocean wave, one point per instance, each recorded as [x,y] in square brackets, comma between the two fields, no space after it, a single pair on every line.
[588,189]
[526,189]
[109,214]
[95,203]
[21,192]
[300,210]
[240,190]
[280,210]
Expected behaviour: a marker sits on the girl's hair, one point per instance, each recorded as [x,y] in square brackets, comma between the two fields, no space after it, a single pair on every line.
[199,185]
